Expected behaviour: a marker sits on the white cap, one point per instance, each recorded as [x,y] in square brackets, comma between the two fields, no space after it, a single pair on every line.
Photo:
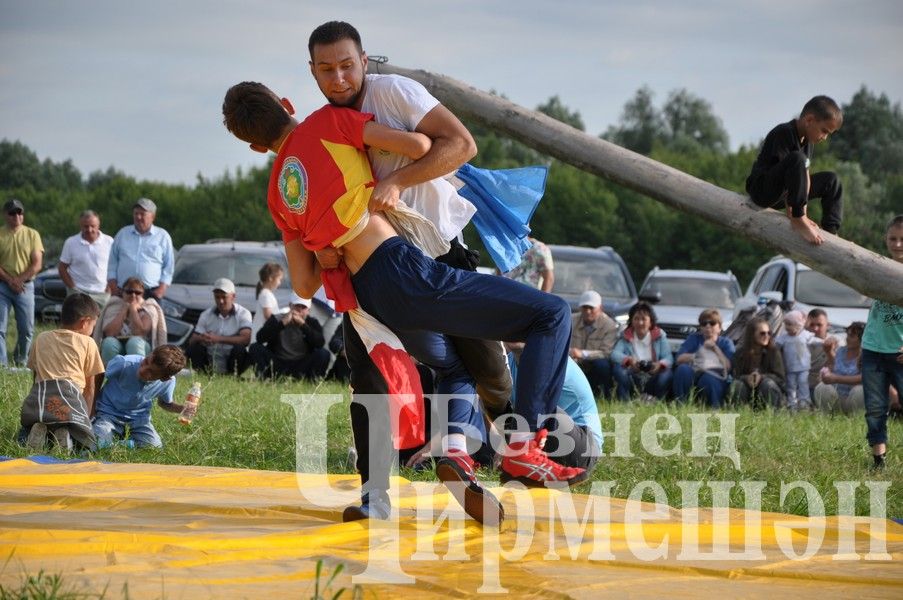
[590,298]
[296,299]
[224,285]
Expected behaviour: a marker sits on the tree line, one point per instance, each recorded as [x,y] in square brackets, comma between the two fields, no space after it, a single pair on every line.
[578,208]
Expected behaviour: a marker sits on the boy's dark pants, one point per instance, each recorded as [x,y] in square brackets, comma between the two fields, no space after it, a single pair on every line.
[789,177]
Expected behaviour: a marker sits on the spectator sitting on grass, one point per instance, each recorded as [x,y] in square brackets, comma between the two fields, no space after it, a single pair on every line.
[65,363]
[131,324]
[291,344]
[133,383]
[704,361]
[221,337]
[641,360]
[841,384]
[758,367]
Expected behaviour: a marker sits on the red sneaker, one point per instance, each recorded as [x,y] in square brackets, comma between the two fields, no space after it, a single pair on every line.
[530,465]
[458,472]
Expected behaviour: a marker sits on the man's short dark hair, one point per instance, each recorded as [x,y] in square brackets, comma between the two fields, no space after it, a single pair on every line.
[817,312]
[823,108]
[169,359]
[332,32]
[76,307]
[254,114]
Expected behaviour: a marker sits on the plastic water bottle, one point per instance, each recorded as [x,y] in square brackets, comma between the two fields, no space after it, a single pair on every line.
[191,404]
[762,302]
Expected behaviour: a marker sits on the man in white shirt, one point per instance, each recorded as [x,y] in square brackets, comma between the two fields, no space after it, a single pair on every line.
[339,65]
[83,262]
[221,337]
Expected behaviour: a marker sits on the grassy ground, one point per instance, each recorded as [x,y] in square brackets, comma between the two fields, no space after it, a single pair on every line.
[245,424]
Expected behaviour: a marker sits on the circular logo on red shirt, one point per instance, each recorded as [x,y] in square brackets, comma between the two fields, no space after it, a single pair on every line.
[293,185]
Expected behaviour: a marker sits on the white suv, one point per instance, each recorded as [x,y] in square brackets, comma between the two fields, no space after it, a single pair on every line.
[679,295]
[801,288]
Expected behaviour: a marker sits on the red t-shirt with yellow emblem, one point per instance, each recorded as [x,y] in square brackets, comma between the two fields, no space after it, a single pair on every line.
[321,180]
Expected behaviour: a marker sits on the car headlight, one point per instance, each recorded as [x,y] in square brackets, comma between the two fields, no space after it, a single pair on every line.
[172,309]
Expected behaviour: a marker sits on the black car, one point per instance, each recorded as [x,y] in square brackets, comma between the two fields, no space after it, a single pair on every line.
[49,293]
[601,269]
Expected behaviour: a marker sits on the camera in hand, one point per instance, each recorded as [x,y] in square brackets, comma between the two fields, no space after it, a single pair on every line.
[645,365]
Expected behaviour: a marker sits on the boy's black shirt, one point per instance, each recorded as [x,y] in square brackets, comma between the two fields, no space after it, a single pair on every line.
[780,141]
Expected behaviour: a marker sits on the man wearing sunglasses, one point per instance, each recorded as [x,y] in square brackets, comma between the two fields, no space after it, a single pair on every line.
[21,254]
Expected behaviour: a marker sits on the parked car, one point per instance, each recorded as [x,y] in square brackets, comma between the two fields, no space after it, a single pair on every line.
[679,296]
[801,288]
[49,293]
[602,269]
[199,265]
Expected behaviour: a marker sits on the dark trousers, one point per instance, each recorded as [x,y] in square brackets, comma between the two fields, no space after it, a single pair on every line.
[268,365]
[484,360]
[598,374]
[785,185]
[413,294]
[340,370]
[236,362]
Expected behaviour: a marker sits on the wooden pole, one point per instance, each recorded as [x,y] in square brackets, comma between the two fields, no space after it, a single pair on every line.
[869,273]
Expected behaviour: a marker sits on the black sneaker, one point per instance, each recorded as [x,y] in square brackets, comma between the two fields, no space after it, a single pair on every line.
[374,505]
[457,472]
[879,461]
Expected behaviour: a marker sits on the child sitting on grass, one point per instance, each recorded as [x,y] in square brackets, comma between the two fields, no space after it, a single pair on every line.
[133,383]
[65,363]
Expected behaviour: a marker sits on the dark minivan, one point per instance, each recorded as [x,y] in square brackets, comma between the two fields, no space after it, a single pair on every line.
[601,269]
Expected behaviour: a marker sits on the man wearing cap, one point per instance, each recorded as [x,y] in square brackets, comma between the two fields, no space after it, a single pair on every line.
[291,344]
[83,262]
[593,336]
[142,250]
[21,253]
[221,337]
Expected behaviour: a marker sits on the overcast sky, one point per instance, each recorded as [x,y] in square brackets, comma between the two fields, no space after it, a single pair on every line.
[139,85]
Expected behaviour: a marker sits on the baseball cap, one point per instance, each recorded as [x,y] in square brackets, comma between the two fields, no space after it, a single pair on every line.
[224,285]
[296,299]
[146,204]
[13,204]
[590,298]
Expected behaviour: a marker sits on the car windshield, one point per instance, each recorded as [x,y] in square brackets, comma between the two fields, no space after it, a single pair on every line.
[818,289]
[203,268]
[692,291]
[575,275]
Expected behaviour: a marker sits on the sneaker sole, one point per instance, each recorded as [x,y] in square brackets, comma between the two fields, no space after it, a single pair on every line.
[535,483]
[478,502]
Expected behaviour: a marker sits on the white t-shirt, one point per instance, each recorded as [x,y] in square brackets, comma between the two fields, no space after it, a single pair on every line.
[643,346]
[401,103]
[87,262]
[266,299]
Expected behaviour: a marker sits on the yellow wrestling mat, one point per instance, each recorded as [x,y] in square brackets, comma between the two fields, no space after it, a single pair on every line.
[199,532]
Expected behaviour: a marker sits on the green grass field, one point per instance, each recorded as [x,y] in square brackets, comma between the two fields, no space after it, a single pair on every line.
[245,424]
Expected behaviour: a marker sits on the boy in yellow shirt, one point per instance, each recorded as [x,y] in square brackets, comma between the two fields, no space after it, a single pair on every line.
[67,371]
